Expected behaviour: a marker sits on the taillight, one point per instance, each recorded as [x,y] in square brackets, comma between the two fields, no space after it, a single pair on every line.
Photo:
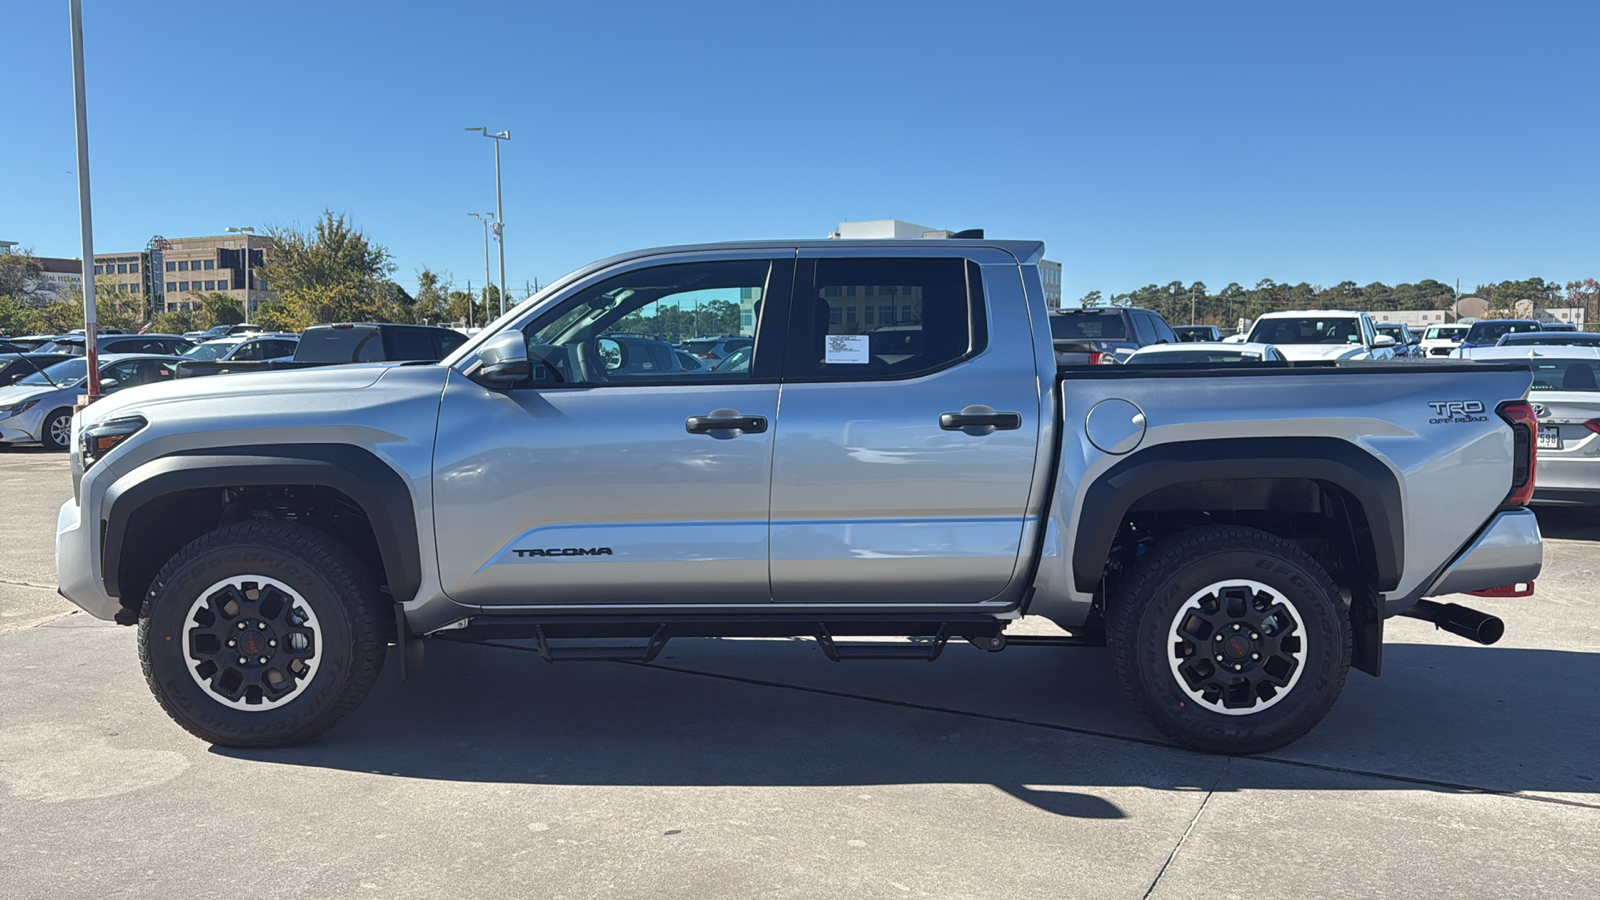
[1593,425]
[1094,357]
[1524,431]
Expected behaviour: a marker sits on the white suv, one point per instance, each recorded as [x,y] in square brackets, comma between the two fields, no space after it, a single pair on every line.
[1322,334]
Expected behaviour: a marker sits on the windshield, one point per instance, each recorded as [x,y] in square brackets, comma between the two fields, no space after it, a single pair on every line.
[1203,357]
[1445,332]
[1485,332]
[210,350]
[62,373]
[1341,330]
[1565,375]
[1088,326]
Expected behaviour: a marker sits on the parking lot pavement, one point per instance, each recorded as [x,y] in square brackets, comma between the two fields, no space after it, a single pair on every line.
[757,768]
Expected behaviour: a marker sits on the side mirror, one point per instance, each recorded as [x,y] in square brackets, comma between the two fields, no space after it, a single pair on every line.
[612,353]
[1383,340]
[504,360]
[109,384]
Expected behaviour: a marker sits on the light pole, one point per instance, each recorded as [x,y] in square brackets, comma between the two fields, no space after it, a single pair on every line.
[499,211]
[486,218]
[80,103]
[245,233]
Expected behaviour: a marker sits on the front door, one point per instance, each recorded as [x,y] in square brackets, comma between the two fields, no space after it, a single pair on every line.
[906,444]
[619,473]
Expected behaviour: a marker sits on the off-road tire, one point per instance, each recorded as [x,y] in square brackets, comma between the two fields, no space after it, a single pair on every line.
[48,428]
[342,595]
[1148,649]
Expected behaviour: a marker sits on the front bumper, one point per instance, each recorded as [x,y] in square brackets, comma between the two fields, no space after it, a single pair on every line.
[77,564]
[24,427]
[1509,551]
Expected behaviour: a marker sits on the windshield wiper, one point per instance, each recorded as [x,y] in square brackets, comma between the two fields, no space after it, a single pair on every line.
[35,364]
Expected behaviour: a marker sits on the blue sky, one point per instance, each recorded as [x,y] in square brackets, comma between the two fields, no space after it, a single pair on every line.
[1143,142]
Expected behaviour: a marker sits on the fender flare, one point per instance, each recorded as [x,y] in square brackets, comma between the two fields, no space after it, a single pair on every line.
[1338,462]
[380,491]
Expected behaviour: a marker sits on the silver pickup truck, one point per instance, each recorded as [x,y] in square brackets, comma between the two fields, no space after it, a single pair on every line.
[898,464]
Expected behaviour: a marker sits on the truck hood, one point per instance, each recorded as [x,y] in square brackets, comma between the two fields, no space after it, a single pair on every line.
[1315,352]
[240,387]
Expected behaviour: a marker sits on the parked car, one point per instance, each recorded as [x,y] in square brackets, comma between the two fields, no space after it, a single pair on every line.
[1407,343]
[1442,340]
[1197,334]
[37,408]
[1547,338]
[690,362]
[1486,332]
[1566,399]
[32,342]
[1105,334]
[6,346]
[714,349]
[157,344]
[1558,326]
[345,342]
[1322,334]
[1210,353]
[1236,535]
[14,366]
[245,347]
[212,333]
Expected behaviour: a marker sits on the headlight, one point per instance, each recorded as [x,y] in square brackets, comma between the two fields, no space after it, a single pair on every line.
[97,440]
[17,408]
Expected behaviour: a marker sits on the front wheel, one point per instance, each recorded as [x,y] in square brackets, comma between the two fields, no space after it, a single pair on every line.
[1230,640]
[56,433]
[262,634]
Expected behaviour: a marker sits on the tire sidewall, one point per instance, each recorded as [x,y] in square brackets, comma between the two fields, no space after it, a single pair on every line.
[162,632]
[46,433]
[1324,664]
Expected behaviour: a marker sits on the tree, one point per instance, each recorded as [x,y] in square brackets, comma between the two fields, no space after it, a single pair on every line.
[19,274]
[1091,300]
[331,273]
[1585,294]
[432,304]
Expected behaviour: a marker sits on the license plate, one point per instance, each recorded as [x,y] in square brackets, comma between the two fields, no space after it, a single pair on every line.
[1549,437]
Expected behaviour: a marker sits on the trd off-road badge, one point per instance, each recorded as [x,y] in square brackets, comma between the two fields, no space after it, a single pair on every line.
[1457,411]
[565,551]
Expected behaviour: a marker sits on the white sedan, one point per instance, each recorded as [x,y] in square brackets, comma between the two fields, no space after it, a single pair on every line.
[1206,353]
[1566,398]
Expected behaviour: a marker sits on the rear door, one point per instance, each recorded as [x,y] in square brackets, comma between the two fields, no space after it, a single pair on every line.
[906,444]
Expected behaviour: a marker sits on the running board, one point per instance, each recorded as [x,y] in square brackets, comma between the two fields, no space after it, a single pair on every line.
[588,650]
[923,648]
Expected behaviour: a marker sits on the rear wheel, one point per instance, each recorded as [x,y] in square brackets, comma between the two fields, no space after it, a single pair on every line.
[1230,640]
[56,432]
[262,634]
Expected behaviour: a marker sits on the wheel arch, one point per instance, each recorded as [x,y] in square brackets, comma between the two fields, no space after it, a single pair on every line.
[168,502]
[1267,474]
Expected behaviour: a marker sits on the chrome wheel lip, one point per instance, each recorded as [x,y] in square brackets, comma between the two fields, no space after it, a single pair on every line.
[1174,660]
[192,665]
[61,429]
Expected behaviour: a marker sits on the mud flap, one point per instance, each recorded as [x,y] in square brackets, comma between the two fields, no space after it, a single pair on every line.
[410,646]
[1366,630]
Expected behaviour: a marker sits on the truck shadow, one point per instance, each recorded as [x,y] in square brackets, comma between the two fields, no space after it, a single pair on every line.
[1039,723]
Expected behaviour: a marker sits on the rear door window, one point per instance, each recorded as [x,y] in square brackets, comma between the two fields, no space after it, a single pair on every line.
[412,343]
[893,318]
[340,345]
[1143,331]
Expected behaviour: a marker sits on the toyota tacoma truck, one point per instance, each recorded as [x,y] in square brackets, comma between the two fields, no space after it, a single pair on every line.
[900,464]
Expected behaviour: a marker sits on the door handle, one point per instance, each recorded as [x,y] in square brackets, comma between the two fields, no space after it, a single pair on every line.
[725,420]
[956,421]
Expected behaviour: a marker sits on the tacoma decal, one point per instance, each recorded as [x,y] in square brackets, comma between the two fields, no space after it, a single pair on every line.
[565,551]
[1448,411]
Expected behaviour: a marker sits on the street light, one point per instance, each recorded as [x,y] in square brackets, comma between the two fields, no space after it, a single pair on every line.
[499,212]
[245,233]
[486,218]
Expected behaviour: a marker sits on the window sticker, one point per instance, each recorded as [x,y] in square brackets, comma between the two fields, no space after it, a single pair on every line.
[846,348]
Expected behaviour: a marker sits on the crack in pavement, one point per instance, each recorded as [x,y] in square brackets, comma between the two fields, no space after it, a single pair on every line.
[1194,820]
[47,587]
[1092,732]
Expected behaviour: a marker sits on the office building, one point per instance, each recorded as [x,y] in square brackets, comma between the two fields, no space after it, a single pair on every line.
[895,229]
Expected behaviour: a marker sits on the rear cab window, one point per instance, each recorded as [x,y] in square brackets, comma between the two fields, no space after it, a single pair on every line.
[864,318]
[1104,325]
[356,343]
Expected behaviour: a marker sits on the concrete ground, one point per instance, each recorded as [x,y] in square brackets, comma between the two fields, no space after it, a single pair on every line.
[758,769]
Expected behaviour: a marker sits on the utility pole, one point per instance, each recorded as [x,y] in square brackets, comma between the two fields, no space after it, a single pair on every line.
[499,211]
[470,303]
[91,341]
[486,218]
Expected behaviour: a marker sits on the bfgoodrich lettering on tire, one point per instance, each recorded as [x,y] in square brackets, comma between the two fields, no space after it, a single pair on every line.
[262,634]
[1230,640]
